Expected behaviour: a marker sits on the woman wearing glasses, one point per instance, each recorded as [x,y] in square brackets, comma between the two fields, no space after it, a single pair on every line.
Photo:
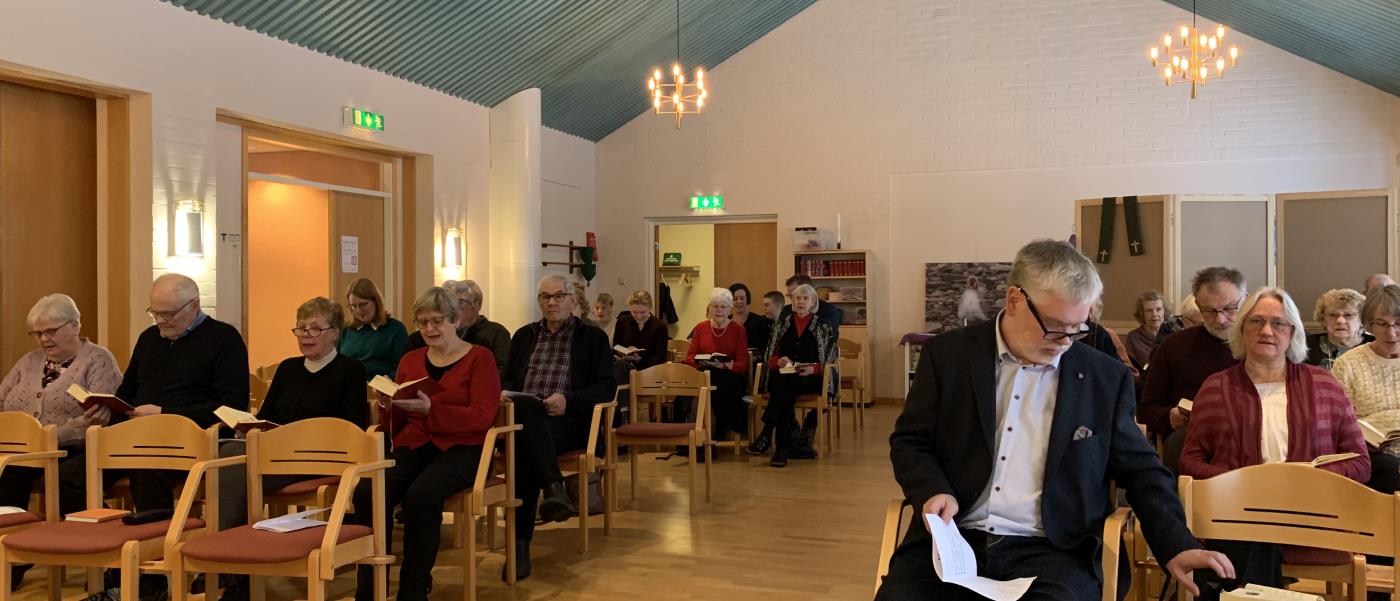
[799,348]
[1370,373]
[320,382]
[1269,408]
[373,338]
[437,438]
[38,385]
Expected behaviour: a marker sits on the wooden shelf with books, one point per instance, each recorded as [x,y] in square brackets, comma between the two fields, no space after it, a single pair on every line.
[842,279]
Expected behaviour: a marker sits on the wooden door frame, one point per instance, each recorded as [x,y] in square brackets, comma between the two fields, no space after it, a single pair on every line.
[124,192]
[413,180]
[653,233]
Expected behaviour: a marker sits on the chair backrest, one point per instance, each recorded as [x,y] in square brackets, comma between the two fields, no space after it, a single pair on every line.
[320,446]
[21,433]
[163,441]
[849,358]
[670,380]
[678,349]
[1265,503]
[257,391]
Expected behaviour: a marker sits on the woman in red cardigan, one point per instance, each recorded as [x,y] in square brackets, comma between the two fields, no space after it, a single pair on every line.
[1270,407]
[721,334]
[437,438]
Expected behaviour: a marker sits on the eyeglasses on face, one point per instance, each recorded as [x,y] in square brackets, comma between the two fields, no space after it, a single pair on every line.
[1047,333]
[49,333]
[436,322]
[1256,323]
[1228,311]
[312,331]
[167,315]
[557,297]
[362,305]
[1383,325]
[1334,316]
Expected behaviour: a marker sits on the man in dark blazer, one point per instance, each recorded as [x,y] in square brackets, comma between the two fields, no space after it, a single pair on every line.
[1016,432]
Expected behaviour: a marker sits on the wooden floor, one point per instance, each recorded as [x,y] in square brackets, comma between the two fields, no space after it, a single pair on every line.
[810,531]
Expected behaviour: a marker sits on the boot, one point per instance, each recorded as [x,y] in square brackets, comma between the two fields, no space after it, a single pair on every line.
[522,561]
[557,506]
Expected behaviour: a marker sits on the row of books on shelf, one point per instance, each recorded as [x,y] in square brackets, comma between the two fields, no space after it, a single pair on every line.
[833,267]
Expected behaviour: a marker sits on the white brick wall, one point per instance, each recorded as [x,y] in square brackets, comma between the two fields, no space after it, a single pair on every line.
[824,113]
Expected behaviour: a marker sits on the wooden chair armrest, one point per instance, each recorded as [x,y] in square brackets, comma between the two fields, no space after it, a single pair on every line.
[349,477]
[188,495]
[483,467]
[31,456]
[600,411]
[894,514]
[1113,529]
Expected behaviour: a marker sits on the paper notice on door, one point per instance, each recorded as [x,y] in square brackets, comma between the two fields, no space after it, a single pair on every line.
[955,563]
[350,254]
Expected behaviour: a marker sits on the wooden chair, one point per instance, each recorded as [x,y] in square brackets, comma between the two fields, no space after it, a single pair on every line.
[896,527]
[678,350]
[257,392]
[493,487]
[585,462]
[24,442]
[1262,503]
[266,372]
[821,402]
[154,442]
[317,446]
[668,380]
[851,361]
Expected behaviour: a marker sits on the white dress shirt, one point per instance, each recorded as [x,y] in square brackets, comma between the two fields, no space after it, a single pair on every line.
[1026,393]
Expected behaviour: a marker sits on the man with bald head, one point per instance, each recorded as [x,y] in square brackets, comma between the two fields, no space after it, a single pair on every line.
[1377,279]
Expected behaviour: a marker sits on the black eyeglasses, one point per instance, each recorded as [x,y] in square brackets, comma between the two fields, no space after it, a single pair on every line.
[1049,334]
[167,315]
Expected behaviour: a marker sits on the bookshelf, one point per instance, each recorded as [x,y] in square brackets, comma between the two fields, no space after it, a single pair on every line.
[843,277]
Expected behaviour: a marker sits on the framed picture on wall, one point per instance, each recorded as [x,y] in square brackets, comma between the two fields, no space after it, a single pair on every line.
[961,294]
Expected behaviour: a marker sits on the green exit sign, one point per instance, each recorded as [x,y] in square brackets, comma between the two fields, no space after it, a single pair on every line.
[363,119]
[707,202]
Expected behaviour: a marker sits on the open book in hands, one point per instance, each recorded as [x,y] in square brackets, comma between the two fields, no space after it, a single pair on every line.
[406,390]
[955,563]
[1322,460]
[242,421]
[1374,436]
[88,399]
[792,368]
[712,358]
[627,350]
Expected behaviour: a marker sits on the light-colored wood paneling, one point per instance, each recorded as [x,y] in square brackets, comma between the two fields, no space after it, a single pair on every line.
[48,208]
[318,167]
[362,217]
[748,253]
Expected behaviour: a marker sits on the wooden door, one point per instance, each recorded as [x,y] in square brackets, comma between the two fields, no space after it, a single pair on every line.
[357,242]
[48,209]
[748,253]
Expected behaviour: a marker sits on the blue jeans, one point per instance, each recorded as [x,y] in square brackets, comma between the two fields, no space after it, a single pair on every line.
[1059,574]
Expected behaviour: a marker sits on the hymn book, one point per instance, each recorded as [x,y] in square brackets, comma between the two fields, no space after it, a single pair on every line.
[96,516]
[1322,460]
[626,350]
[242,421]
[792,368]
[88,399]
[406,390]
[1375,436]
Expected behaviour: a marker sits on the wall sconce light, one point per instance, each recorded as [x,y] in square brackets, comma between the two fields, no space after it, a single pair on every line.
[189,229]
[452,248]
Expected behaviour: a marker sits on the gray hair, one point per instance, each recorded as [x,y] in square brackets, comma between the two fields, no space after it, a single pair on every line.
[1056,267]
[801,288]
[58,305]
[722,296]
[465,288]
[1297,343]
[439,300]
[183,285]
[1212,276]
[552,277]
[1381,301]
[1340,298]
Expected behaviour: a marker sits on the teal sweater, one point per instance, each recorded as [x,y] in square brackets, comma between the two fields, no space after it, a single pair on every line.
[378,349]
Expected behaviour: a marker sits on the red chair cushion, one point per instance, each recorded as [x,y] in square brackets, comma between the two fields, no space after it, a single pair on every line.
[10,520]
[245,544]
[1312,556]
[655,430]
[78,538]
[308,486]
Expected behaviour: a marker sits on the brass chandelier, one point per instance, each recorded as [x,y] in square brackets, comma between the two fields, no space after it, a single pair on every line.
[680,97]
[1193,56]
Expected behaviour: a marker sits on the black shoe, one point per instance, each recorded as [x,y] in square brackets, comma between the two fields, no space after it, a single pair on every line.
[17,574]
[110,594]
[557,506]
[780,458]
[760,444]
[803,452]
[235,588]
[522,561]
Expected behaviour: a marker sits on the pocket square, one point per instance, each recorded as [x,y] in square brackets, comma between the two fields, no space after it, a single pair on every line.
[1082,433]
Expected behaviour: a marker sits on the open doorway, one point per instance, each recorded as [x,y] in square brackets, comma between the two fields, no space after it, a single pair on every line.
[316,222]
[712,254]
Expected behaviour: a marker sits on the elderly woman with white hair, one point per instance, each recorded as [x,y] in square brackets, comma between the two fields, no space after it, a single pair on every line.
[38,384]
[1370,373]
[1339,312]
[798,349]
[724,344]
[1269,408]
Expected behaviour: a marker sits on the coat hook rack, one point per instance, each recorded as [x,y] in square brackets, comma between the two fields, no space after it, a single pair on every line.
[572,249]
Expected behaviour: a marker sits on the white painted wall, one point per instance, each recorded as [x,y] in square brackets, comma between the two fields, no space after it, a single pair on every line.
[193,65]
[568,197]
[956,130]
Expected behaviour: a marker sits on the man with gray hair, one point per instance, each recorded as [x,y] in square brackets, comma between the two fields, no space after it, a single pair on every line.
[1012,433]
[1185,359]
[1375,280]
[472,326]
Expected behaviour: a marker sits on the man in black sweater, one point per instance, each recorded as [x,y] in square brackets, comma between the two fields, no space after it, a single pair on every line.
[188,364]
[565,366]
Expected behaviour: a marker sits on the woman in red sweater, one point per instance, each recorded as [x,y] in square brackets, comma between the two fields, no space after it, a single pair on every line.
[1270,407]
[728,374]
[437,438]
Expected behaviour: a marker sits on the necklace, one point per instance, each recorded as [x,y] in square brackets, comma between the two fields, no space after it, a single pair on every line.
[718,332]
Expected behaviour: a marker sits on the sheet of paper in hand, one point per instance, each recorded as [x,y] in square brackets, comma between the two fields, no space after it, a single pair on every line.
[955,563]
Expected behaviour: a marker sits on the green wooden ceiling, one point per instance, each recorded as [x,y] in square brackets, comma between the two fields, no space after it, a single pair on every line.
[590,58]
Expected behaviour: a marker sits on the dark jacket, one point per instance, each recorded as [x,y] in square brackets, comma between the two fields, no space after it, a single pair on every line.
[1321,352]
[943,443]
[652,338]
[827,313]
[590,369]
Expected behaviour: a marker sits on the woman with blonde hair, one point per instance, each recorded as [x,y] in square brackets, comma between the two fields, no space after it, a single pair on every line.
[1339,312]
[641,329]
[373,337]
